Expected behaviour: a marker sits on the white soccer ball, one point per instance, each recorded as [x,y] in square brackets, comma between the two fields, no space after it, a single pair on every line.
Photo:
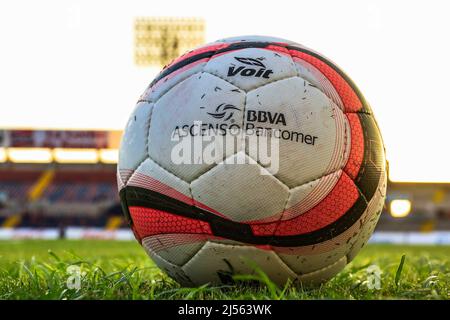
[252,152]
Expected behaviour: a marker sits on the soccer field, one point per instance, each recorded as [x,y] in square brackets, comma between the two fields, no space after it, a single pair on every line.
[121,270]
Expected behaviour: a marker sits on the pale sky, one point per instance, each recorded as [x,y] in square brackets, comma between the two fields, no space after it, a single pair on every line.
[69,64]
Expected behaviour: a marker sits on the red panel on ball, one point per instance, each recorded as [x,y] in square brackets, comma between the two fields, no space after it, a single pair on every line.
[330,209]
[148,221]
[187,55]
[144,181]
[357,148]
[277,48]
[348,96]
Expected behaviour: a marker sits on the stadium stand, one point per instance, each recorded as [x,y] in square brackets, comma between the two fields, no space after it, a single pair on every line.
[57,196]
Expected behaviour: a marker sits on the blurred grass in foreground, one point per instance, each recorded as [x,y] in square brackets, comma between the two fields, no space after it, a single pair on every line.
[35,269]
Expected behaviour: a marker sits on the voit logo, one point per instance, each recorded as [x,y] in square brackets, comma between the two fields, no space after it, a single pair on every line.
[253,68]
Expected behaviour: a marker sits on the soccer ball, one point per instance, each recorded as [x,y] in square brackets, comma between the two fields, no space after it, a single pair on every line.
[252,154]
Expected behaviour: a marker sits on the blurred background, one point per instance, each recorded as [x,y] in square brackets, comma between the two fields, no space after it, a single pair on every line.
[71,72]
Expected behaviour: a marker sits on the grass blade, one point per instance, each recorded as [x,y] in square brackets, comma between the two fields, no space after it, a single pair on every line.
[398,274]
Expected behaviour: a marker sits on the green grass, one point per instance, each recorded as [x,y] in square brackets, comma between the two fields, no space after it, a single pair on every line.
[121,270]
